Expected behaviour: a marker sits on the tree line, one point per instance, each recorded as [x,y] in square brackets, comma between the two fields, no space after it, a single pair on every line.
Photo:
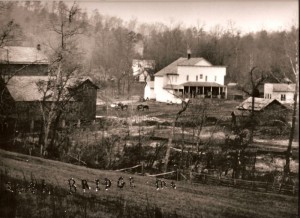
[108,44]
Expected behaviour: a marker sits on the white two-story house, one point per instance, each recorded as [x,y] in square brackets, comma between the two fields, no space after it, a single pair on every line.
[187,78]
[283,92]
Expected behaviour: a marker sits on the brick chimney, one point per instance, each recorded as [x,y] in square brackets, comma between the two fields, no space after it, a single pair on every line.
[188,53]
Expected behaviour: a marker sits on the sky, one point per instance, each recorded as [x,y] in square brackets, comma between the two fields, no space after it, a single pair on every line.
[248,16]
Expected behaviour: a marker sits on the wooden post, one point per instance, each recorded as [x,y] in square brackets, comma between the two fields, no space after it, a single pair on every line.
[63,123]
[211,92]
[32,126]
[203,90]
[225,92]
[294,189]
[142,168]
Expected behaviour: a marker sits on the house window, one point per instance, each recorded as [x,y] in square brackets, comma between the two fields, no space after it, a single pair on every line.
[282,97]
[215,78]
[196,78]
[268,96]
[201,76]
[187,78]
[205,78]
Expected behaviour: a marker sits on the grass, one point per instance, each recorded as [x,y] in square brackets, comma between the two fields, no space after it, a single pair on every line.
[188,200]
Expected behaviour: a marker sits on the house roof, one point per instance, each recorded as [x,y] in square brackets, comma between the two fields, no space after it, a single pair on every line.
[170,86]
[282,87]
[170,69]
[204,84]
[22,55]
[195,62]
[259,104]
[25,88]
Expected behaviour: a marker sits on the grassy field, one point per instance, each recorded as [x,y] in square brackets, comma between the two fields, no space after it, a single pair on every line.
[188,200]
[216,108]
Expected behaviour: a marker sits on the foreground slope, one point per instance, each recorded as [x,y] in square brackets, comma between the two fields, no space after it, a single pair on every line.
[188,200]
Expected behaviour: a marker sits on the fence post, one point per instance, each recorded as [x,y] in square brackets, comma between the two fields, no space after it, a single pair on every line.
[142,167]
[294,189]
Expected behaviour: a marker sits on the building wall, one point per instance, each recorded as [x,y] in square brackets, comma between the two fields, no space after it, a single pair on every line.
[149,92]
[163,95]
[24,69]
[270,94]
[87,95]
[213,74]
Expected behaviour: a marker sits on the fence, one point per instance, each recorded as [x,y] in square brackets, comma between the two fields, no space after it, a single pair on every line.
[274,187]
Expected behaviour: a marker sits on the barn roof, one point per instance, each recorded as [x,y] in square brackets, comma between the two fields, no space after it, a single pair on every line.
[242,113]
[77,81]
[259,104]
[25,88]
[22,55]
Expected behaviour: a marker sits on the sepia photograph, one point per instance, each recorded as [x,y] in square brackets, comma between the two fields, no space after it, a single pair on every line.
[149,109]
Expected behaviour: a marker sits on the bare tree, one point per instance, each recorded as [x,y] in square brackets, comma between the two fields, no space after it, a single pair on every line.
[252,90]
[65,63]
[185,104]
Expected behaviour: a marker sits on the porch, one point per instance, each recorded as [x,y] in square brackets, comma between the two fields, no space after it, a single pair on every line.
[201,90]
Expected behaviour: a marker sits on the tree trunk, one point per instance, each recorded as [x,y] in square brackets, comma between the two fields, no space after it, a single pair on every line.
[292,131]
[252,118]
[295,68]
[170,140]
[46,136]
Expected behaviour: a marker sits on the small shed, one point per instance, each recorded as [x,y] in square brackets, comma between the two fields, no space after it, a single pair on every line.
[261,106]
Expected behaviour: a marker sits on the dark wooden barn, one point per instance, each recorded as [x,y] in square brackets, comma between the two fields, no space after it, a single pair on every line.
[23,70]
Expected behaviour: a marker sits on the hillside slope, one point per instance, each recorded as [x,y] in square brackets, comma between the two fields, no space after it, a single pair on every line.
[188,200]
